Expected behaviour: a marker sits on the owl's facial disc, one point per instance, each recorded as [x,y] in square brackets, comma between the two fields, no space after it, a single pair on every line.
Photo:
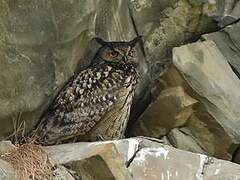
[119,52]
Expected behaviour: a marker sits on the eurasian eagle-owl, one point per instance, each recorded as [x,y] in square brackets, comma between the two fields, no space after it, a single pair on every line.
[96,102]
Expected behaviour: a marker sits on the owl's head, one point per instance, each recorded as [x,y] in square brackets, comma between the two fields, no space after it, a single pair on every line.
[118,52]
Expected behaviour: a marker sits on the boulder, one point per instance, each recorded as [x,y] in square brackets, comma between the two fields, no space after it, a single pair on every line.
[6,171]
[236,157]
[104,162]
[210,134]
[148,158]
[206,70]
[171,109]
[167,24]
[228,42]
[41,44]
[133,158]
[6,146]
[183,139]
[169,163]
[227,12]
[62,173]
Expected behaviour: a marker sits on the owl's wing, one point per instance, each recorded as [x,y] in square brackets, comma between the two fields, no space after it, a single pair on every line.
[84,101]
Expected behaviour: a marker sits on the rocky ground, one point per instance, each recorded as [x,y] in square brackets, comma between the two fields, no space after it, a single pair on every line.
[186,107]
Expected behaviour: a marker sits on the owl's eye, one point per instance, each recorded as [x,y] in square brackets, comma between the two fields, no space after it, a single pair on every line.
[113,54]
[131,52]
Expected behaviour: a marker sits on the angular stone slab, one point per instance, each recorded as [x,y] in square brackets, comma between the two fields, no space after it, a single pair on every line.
[171,109]
[208,73]
[144,157]
[228,41]
[174,164]
[183,139]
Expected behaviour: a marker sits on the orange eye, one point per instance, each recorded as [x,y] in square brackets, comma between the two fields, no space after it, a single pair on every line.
[113,54]
[131,52]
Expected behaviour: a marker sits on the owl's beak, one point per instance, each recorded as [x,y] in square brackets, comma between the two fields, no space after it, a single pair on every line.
[129,61]
[125,59]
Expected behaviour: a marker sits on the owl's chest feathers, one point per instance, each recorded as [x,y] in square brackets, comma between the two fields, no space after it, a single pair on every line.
[102,85]
[97,98]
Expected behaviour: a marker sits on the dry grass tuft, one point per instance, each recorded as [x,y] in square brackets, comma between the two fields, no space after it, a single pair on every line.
[30,162]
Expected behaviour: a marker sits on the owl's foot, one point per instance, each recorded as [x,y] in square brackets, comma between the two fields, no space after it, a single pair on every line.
[100,138]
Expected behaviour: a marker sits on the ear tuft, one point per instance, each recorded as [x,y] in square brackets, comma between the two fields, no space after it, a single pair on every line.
[135,41]
[100,41]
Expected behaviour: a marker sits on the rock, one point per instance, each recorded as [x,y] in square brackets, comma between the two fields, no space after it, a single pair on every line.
[61,173]
[159,20]
[166,141]
[6,171]
[210,134]
[227,12]
[236,157]
[228,41]
[169,163]
[183,139]
[104,162]
[206,70]
[141,157]
[6,146]
[171,109]
[65,153]
[41,44]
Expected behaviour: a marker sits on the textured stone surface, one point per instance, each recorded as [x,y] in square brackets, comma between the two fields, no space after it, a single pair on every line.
[228,42]
[6,171]
[145,158]
[104,162]
[169,163]
[210,134]
[171,109]
[183,139]
[157,21]
[208,73]
[6,146]
[236,157]
[166,24]
[65,153]
[40,45]
[227,12]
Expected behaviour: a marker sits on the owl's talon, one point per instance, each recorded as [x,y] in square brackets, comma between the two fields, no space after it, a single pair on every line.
[100,138]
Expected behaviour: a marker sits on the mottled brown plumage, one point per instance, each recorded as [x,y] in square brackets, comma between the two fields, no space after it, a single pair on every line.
[96,102]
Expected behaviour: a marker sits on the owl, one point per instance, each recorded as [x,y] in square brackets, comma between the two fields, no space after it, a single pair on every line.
[95,103]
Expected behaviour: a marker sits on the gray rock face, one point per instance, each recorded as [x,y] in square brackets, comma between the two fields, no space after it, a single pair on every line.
[228,42]
[167,24]
[134,158]
[41,44]
[183,139]
[208,73]
[171,109]
[169,163]
[146,158]
[227,12]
